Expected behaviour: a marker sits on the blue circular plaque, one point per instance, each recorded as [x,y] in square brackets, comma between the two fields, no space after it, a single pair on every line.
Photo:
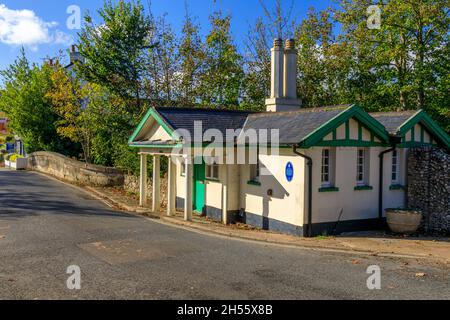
[289,171]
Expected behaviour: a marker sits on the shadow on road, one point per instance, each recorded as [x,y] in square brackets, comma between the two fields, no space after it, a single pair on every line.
[26,193]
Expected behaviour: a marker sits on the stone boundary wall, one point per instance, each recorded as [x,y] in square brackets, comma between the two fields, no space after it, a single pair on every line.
[71,170]
[131,184]
[429,188]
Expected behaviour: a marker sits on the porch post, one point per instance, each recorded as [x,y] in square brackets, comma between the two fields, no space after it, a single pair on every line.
[188,200]
[171,194]
[156,183]
[143,181]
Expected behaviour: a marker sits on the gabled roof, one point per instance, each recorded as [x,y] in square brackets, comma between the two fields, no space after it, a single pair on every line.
[307,127]
[293,126]
[393,120]
[399,123]
[184,118]
[172,119]
[303,127]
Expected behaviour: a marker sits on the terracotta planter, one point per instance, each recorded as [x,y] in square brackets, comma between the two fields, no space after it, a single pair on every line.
[403,220]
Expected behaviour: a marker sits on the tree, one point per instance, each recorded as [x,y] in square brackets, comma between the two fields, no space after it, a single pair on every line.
[69,97]
[191,60]
[256,83]
[277,22]
[31,115]
[406,60]
[167,63]
[323,66]
[115,51]
[223,72]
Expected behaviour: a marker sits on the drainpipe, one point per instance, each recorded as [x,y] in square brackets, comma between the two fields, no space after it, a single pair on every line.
[309,230]
[393,140]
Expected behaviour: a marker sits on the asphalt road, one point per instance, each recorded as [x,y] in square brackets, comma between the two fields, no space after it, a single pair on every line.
[46,226]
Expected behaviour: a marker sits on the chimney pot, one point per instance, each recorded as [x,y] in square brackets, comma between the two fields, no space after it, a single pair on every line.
[290,44]
[278,43]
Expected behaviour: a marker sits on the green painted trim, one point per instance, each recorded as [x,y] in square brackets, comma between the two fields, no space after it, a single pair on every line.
[397,187]
[422,134]
[335,134]
[254,183]
[151,113]
[414,145]
[347,130]
[354,111]
[360,132]
[413,134]
[406,126]
[328,189]
[362,188]
[350,143]
[154,146]
[139,127]
[425,120]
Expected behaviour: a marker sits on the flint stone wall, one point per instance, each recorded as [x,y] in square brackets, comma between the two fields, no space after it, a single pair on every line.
[131,184]
[429,188]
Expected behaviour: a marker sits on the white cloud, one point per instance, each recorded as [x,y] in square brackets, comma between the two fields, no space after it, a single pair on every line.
[24,27]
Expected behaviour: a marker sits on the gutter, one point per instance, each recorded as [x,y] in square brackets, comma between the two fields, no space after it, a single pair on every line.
[393,140]
[309,231]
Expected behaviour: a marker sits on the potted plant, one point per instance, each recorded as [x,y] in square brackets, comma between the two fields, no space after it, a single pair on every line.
[402,220]
[15,161]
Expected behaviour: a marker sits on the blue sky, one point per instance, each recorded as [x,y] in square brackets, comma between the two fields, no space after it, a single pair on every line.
[41,25]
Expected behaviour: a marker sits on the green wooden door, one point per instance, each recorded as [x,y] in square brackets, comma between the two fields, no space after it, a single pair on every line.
[199,187]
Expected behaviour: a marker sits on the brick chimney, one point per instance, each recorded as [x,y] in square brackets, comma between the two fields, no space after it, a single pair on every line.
[283,93]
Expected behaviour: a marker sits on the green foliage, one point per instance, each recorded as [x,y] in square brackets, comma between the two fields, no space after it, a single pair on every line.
[133,61]
[70,98]
[256,83]
[115,51]
[403,65]
[13,157]
[192,55]
[30,114]
[223,73]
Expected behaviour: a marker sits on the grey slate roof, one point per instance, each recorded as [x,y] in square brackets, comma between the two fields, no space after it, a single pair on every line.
[393,120]
[293,126]
[183,118]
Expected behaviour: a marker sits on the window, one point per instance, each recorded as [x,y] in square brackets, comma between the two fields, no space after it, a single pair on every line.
[362,166]
[327,174]
[183,167]
[212,171]
[255,172]
[326,167]
[395,166]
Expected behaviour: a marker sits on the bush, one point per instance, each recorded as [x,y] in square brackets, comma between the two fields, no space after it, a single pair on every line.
[13,157]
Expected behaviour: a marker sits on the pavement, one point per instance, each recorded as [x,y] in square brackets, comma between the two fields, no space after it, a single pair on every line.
[373,243]
[47,226]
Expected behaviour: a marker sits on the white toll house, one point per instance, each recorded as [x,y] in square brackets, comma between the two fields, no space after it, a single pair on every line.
[329,169]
